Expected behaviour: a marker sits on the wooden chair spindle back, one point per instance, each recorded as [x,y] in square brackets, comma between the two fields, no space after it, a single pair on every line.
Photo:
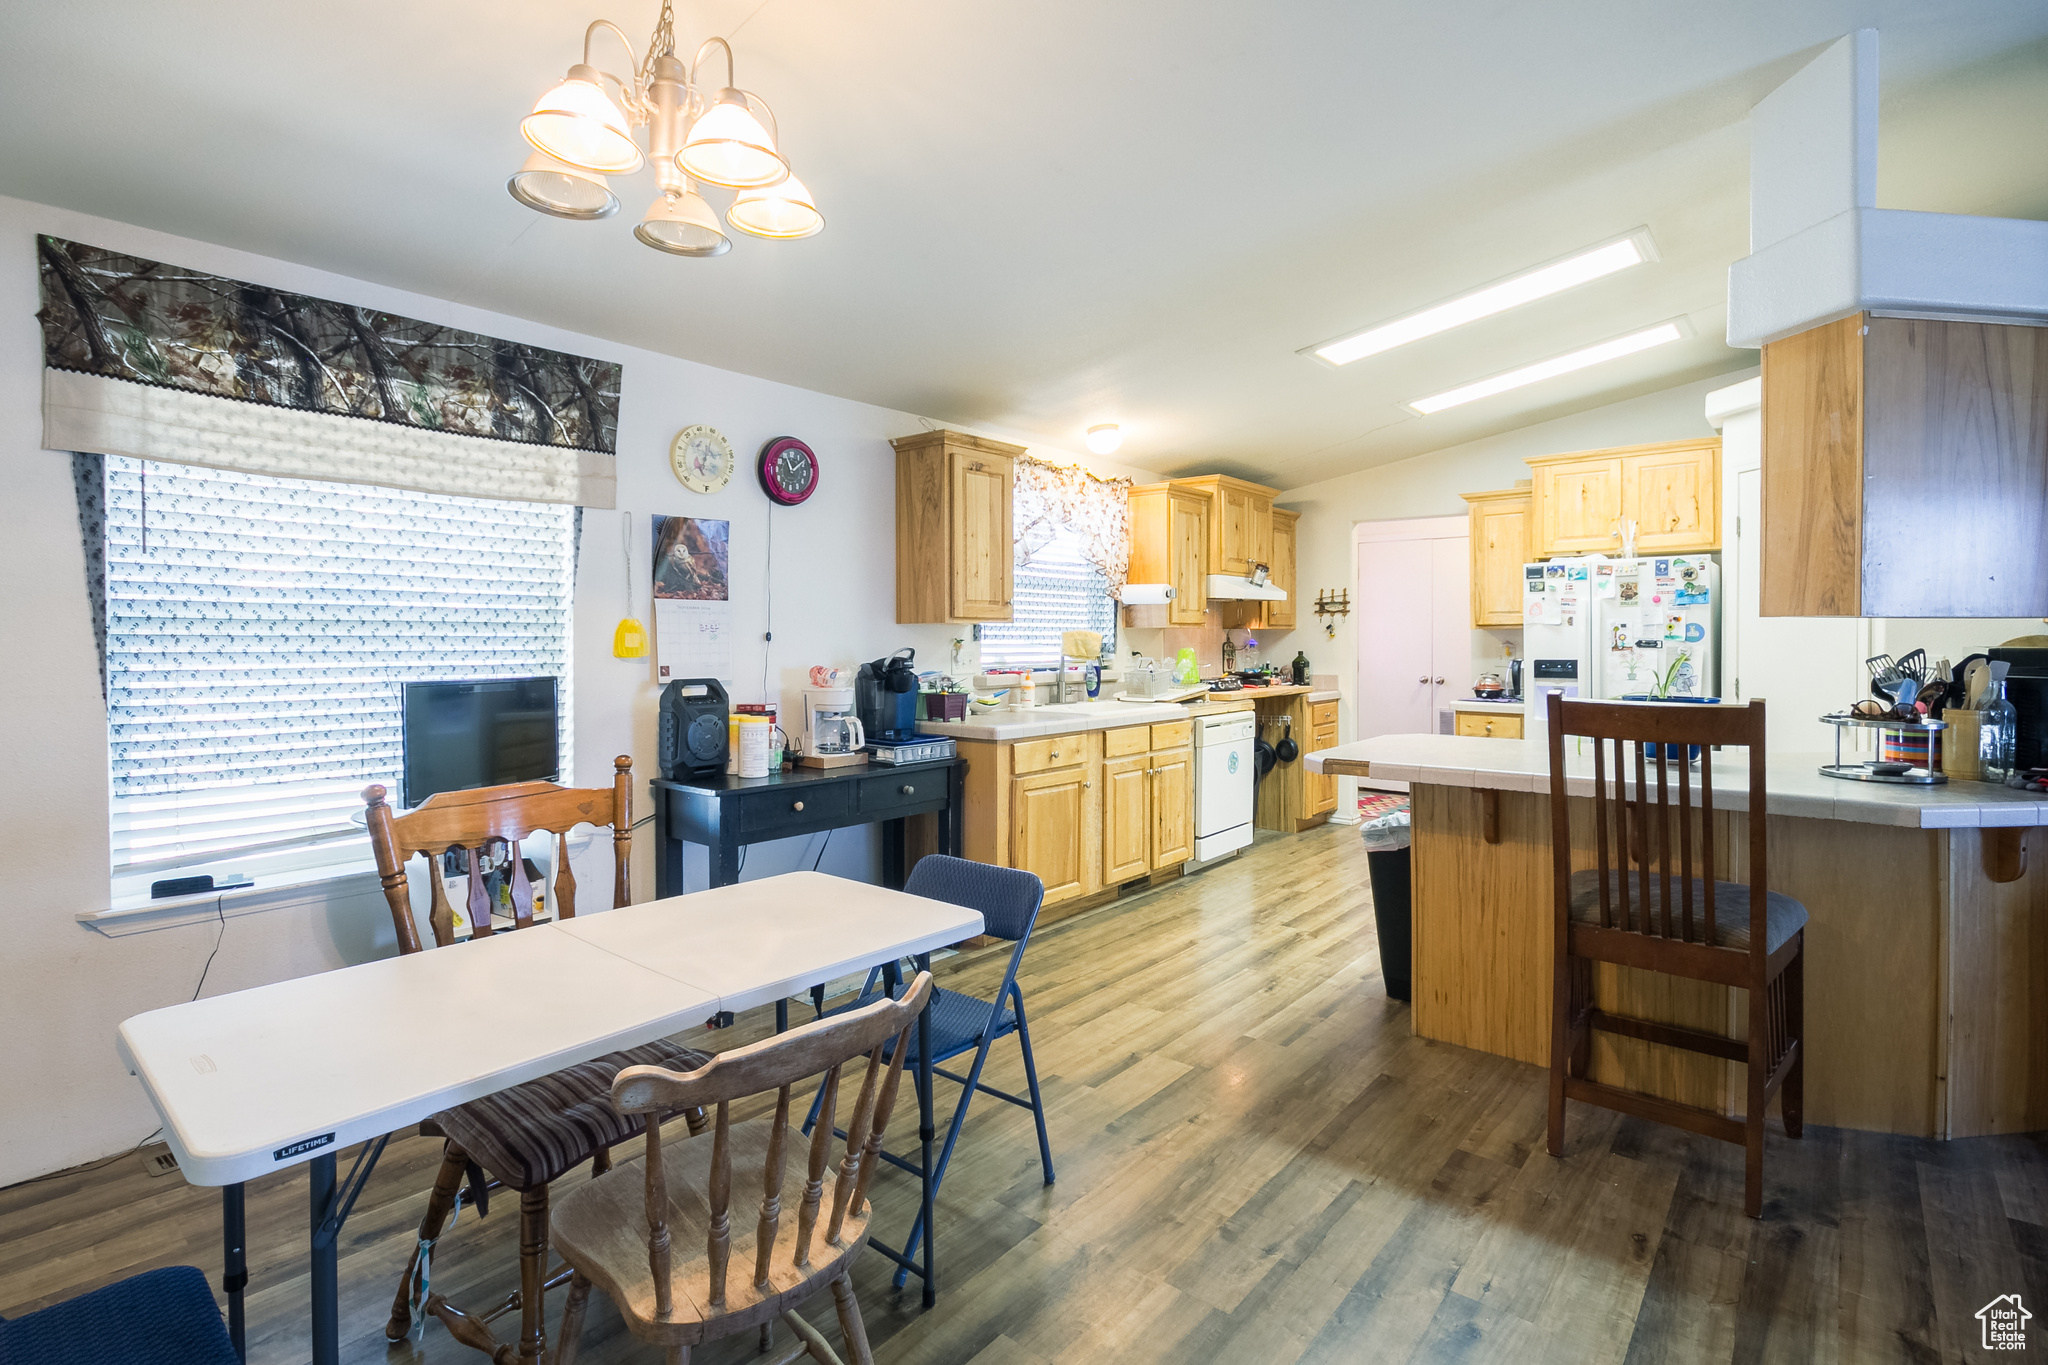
[777,1063]
[1643,888]
[480,823]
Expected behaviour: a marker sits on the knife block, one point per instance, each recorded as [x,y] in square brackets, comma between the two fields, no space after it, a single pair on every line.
[1959,745]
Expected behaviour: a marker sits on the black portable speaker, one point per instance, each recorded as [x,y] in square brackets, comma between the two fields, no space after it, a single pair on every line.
[693,728]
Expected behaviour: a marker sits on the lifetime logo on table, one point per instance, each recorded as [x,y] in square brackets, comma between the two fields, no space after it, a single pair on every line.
[2005,1321]
[303,1146]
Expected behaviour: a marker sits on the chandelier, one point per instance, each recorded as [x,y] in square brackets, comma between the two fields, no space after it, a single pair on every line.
[582,132]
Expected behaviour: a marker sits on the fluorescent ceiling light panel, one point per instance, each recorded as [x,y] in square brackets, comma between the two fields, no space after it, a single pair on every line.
[1557,365]
[1512,292]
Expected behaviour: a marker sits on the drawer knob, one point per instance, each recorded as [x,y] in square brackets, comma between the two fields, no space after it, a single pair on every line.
[797,805]
[907,789]
[1055,753]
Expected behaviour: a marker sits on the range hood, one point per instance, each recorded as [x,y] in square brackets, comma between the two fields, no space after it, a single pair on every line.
[1228,588]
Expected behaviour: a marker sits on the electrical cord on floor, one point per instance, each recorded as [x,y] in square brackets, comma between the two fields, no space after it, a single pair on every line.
[821,851]
[90,1166]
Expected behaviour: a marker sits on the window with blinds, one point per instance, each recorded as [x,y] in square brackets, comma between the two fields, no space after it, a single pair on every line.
[258,631]
[1055,591]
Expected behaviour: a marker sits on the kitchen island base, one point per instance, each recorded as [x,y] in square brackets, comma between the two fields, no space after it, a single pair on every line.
[1927,988]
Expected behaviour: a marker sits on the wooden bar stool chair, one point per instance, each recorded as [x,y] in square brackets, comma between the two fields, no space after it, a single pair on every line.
[618,1231]
[526,1136]
[1634,908]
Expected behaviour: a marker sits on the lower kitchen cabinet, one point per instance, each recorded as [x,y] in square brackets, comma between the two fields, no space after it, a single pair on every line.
[1088,813]
[1291,798]
[1126,817]
[1490,724]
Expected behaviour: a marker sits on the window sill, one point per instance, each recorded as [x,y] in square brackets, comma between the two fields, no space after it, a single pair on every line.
[138,914]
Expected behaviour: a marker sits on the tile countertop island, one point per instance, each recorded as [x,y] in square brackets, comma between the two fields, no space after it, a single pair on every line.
[1927,943]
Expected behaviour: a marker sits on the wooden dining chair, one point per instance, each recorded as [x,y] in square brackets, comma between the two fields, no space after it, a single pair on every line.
[526,1136]
[1634,908]
[657,1233]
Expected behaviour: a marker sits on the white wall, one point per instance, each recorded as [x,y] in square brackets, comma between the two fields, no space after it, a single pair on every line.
[1429,485]
[64,987]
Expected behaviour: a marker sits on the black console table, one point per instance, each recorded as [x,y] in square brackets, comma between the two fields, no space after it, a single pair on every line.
[723,813]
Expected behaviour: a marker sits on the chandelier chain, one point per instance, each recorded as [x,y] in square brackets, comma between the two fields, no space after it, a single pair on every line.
[662,43]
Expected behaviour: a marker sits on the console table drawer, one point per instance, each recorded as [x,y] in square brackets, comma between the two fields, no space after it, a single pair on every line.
[887,792]
[795,807]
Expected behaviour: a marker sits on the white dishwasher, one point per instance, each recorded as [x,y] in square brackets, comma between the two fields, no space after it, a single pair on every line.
[1223,786]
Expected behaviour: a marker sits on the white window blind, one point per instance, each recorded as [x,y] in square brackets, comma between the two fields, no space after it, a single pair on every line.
[258,630]
[1055,592]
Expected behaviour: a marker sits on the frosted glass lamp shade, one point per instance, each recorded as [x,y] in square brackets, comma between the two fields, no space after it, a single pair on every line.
[728,146]
[563,191]
[783,211]
[579,123]
[683,225]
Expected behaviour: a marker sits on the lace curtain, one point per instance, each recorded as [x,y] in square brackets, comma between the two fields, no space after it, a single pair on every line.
[1050,497]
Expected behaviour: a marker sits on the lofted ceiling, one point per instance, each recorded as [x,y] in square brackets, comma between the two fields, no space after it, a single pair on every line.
[1042,216]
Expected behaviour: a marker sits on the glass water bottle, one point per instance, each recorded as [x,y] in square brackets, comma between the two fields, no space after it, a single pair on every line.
[1997,734]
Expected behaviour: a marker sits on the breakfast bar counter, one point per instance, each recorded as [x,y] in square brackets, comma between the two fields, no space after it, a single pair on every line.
[1927,946]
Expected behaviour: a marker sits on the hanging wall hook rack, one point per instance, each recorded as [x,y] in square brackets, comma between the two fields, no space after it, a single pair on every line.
[1331,605]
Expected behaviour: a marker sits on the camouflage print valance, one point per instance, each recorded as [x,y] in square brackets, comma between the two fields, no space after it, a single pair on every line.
[164,363]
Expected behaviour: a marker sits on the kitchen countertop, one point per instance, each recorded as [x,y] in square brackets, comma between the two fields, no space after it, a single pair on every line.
[1793,784]
[1108,714]
[1483,704]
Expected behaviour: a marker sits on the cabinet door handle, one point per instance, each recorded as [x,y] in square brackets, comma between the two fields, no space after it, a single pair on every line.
[1439,682]
[1055,753]
[1423,679]
[1086,785]
[907,789]
[797,805]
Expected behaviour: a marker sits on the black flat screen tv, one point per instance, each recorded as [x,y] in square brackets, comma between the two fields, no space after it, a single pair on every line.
[479,733]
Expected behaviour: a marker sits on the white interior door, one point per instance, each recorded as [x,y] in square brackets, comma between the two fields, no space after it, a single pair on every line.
[1450,614]
[1396,688]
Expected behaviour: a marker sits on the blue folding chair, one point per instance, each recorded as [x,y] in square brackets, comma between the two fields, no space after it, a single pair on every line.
[1008,900]
[160,1317]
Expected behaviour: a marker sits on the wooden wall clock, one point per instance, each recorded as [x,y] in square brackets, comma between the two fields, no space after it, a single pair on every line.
[701,458]
[789,470]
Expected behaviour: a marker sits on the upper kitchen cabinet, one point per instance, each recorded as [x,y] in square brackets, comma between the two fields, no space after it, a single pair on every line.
[1905,470]
[1500,547]
[1671,491]
[1282,615]
[1170,544]
[953,527]
[1240,522]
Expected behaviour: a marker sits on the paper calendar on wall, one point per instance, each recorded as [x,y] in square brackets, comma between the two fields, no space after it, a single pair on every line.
[692,609]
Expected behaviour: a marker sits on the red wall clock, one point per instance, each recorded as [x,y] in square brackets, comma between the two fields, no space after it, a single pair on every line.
[789,470]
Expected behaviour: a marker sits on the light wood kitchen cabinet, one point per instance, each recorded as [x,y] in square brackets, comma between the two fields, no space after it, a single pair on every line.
[1170,544]
[1290,797]
[953,528]
[1051,832]
[1905,470]
[1283,615]
[1126,817]
[1490,725]
[1090,813]
[1671,490]
[1173,807]
[1240,522]
[1500,547]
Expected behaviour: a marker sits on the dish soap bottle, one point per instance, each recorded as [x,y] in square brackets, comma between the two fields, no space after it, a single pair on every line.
[1997,730]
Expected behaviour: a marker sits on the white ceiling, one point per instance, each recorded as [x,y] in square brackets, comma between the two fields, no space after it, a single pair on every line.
[1041,216]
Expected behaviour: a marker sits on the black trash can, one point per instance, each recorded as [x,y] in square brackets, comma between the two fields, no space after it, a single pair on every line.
[1387,866]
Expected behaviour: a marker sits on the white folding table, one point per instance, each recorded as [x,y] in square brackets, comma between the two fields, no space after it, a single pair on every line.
[290,1073]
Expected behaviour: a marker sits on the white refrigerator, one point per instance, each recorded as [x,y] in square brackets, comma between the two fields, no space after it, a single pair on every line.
[1659,627]
[1557,635]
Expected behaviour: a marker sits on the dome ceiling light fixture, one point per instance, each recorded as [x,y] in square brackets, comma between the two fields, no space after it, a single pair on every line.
[1105,437]
[583,130]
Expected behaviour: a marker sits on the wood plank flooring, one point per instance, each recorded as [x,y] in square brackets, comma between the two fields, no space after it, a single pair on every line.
[1258,1163]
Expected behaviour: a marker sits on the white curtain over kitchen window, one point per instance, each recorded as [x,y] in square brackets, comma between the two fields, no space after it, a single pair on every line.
[257,633]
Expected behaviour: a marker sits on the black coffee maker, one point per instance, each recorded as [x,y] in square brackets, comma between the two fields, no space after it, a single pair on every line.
[885,697]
